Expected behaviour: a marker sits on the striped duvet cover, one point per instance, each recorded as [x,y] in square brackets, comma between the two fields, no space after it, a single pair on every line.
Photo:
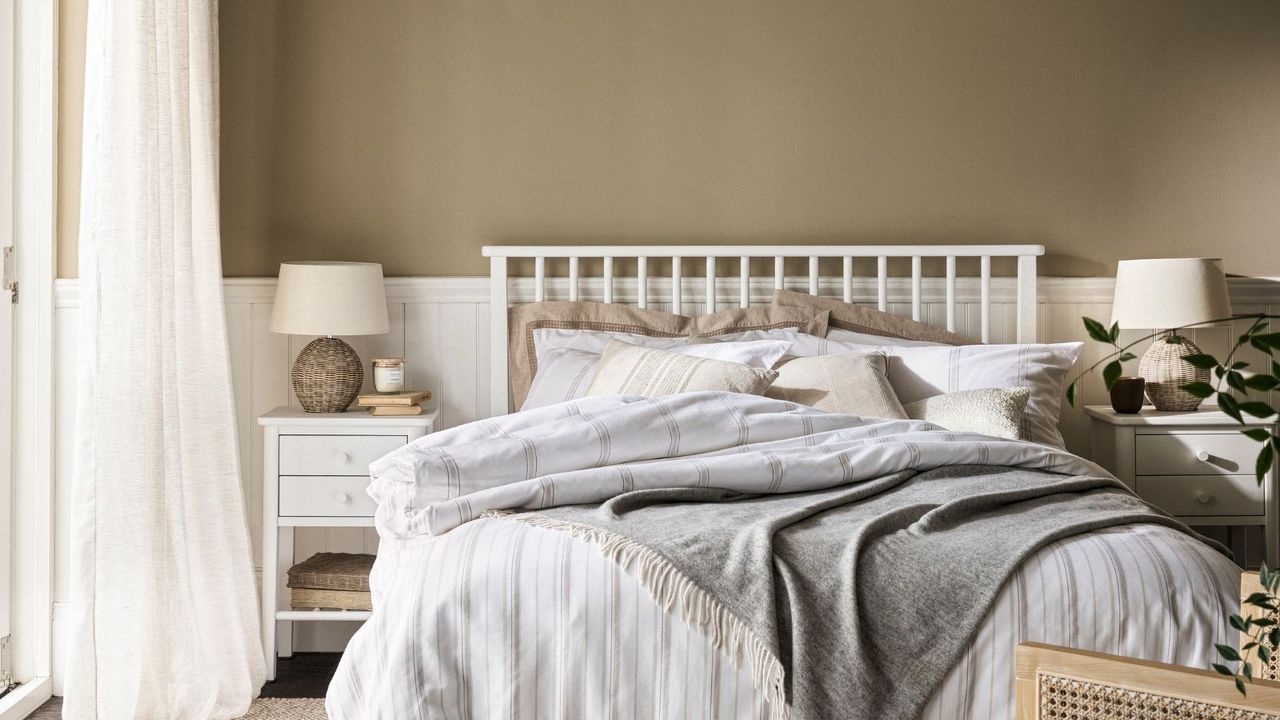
[495,619]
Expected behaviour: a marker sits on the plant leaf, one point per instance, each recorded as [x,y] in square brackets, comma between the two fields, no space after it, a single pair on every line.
[1126,357]
[1201,360]
[1230,406]
[1228,652]
[1257,409]
[1269,339]
[1257,434]
[1239,623]
[1265,458]
[1199,389]
[1240,687]
[1261,382]
[1111,373]
[1114,333]
[1236,382]
[1071,394]
[1097,331]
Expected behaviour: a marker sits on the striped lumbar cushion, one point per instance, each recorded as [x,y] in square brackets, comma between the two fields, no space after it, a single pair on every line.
[633,370]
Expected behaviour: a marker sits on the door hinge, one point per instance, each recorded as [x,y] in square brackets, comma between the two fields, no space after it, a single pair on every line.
[10,284]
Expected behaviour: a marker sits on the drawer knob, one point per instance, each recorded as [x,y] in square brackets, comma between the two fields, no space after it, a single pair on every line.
[1204,498]
[344,458]
[342,498]
[1203,456]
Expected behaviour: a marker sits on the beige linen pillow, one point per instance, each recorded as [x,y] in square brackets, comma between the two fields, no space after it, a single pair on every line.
[862,319]
[525,318]
[851,383]
[997,412]
[633,370]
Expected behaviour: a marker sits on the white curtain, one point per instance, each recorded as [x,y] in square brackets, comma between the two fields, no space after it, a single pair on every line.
[164,615]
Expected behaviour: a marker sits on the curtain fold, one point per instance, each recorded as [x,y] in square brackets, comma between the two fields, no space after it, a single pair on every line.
[163,611]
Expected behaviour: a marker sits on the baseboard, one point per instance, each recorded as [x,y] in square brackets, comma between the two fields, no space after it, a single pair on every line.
[26,699]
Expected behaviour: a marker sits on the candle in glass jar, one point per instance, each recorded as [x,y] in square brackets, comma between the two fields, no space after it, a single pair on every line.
[388,375]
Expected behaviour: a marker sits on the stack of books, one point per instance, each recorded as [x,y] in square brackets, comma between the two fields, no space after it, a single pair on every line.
[405,403]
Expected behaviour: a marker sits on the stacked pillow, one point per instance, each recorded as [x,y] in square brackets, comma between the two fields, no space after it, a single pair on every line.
[870,363]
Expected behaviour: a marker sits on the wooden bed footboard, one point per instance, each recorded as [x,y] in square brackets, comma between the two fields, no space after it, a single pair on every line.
[1057,683]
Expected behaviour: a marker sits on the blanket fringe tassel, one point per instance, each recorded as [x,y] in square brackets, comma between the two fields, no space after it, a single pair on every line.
[671,589]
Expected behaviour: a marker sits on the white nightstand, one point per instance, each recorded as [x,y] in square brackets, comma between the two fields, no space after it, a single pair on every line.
[317,470]
[1195,465]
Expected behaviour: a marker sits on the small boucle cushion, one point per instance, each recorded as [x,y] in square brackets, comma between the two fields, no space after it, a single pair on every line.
[997,412]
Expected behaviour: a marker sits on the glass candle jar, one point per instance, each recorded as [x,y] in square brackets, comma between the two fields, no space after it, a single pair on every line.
[388,375]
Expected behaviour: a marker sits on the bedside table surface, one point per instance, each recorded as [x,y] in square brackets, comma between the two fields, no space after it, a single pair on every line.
[1150,417]
[355,416]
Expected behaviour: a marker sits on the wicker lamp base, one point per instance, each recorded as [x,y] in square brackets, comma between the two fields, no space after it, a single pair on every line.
[1165,371]
[327,376]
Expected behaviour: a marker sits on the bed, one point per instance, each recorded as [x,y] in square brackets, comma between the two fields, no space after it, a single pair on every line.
[718,554]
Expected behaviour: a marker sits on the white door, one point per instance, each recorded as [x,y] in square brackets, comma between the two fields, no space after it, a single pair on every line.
[6,328]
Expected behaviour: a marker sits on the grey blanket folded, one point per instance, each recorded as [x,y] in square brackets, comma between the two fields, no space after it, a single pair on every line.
[866,593]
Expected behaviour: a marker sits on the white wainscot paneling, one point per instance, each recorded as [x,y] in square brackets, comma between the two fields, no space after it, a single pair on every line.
[441,327]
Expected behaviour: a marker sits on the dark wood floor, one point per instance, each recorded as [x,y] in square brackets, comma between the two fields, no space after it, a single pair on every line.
[301,676]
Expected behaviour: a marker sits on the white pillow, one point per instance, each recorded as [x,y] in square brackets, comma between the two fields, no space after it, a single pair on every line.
[565,372]
[920,372]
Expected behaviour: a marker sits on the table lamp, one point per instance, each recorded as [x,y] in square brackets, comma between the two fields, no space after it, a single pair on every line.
[1170,294]
[328,299]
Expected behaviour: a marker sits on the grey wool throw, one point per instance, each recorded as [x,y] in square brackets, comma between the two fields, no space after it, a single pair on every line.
[853,601]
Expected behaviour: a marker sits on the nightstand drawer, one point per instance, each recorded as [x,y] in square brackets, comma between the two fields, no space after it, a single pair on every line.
[1204,494]
[1227,453]
[334,454]
[325,497]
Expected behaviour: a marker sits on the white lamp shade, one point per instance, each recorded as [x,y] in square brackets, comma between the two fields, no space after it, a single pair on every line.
[1169,293]
[330,298]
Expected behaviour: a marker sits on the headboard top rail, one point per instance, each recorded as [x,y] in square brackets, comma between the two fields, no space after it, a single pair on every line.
[788,251]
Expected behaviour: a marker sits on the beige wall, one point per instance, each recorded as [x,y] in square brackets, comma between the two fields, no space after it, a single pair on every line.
[412,132]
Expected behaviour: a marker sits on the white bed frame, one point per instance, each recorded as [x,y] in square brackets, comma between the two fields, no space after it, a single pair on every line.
[500,295]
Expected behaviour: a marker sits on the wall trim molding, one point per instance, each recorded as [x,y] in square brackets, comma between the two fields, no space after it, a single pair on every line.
[1244,291]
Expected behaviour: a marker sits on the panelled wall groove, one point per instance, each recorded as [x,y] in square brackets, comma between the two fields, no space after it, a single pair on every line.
[441,327]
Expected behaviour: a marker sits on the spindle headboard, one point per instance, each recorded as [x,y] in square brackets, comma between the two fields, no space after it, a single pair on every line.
[751,288]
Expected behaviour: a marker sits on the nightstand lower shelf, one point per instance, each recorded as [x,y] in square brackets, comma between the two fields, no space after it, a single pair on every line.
[323,615]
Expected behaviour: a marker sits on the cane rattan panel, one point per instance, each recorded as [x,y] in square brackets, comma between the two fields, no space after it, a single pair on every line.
[1065,698]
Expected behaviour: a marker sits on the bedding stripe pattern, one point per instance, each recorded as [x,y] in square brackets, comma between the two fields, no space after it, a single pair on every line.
[505,620]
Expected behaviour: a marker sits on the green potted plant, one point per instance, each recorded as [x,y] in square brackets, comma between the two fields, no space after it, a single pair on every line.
[1239,389]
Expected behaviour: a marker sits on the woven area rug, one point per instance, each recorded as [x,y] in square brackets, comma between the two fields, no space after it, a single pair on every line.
[287,709]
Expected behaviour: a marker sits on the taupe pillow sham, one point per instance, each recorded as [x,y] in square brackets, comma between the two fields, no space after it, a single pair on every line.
[850,383]
[862,319]
[525,318]
[634,370]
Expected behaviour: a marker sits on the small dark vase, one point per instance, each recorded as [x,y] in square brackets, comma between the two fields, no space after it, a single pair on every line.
[1126,395]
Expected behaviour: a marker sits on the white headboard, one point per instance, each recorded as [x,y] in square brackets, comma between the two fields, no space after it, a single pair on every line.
[717,290]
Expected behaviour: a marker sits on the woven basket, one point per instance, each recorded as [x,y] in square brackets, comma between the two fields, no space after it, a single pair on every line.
[327,376]
[332,571]
[1166,372]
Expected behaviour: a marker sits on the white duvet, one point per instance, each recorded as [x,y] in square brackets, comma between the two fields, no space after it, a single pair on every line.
[494,619]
